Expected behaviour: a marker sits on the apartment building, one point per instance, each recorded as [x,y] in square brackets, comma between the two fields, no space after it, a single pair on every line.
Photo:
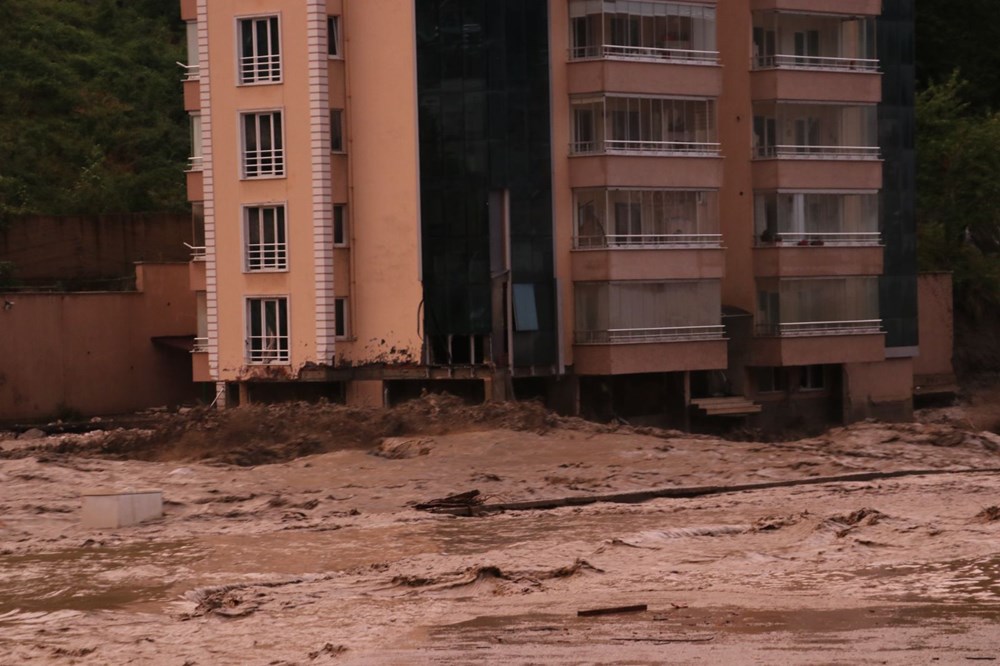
[683,211]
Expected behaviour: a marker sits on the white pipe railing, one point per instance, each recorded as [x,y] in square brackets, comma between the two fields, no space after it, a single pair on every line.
[262,349]
[640,241]
[616,51]
[198,252]
[612,146]
[196,163]
[200,346]
[810,328]
[191,72]
[806,152]
[783,61]
[639,335]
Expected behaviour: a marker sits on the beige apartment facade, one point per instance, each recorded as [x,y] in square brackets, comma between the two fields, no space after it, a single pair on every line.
[643,209]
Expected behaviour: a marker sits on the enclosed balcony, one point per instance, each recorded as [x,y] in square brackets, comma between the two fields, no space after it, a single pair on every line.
[643,125]
[817,320]
[786,40]
[650,219]
[643,30]
[812,219]
[815,131]
[818,306]
[648,326]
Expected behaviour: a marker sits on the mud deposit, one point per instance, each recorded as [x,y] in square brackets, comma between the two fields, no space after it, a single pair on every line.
[319,557]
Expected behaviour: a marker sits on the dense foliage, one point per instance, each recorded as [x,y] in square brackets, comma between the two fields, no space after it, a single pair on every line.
[91,119]
[958,148]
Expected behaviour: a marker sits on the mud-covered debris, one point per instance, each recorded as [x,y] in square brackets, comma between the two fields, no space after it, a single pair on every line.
[634,608]
[989,514]
[32,433]
[460,500]
[579,566]
[862,517]
[226,602]
[397,448]
[329,649]
[772,523]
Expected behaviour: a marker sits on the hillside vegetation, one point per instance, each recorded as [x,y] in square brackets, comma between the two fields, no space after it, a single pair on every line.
[91,119]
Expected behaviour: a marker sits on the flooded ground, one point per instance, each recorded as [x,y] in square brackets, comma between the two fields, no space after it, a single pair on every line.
[322,559]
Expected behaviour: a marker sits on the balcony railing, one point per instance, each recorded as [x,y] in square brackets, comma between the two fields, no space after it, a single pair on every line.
[640,335]
[831,238]
[267,349]
[816,62]
[267,256]
[649,241]
[191,72]
[198,252]
[813,328]
[622,147]
[260,69]
[819,152]
[196,163]
[257,163]
[200,346]
[617,52]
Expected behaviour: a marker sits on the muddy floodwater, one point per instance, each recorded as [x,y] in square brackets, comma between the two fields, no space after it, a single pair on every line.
[322,558]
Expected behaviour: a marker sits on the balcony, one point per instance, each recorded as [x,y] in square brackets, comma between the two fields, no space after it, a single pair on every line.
[817,320]
[643,126]
[643,77]
[841,7]
[642,30]
[827,42]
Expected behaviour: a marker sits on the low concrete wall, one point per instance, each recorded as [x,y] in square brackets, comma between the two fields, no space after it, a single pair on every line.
[92,247]
[881,390]
[93,352]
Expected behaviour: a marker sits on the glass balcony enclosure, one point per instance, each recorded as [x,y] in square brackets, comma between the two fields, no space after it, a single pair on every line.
[816,218]
[608,124]
[817,306]
[642,30]
[634,312]
[813,41]
[815,131]
[633,218]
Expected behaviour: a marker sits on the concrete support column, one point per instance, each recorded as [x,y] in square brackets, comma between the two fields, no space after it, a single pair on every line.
[366,393]
[564,395]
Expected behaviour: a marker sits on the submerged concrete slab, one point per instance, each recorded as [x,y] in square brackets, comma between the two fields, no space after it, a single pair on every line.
[107,508]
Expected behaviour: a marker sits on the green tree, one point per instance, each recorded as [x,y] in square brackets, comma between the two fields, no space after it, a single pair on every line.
[91,119]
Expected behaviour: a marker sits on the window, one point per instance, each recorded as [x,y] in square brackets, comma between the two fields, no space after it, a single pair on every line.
[340,317]
[333,36]
[812,378]
[339,226]
[771,380]
[260,52]
[337,130]
[266,244]
[195,162]
[263,154]
[267,330]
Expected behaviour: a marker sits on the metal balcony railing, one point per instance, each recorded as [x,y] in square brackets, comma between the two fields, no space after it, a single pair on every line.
[803,152]
[200,346]
[617,146]
[617,52]
[640,335]
[264,349]
[828,238]
[260,69]
[267,256]
[191,72]
[649,241]
[811,328]
[816,62]
[198,252]
[196,163]
[257,163]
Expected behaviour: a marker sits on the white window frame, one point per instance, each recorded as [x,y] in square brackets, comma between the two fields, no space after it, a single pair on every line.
[262,163]
[265,257]
[268,348]
[333,37]
[342,318]
[345,238]
[258,68]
